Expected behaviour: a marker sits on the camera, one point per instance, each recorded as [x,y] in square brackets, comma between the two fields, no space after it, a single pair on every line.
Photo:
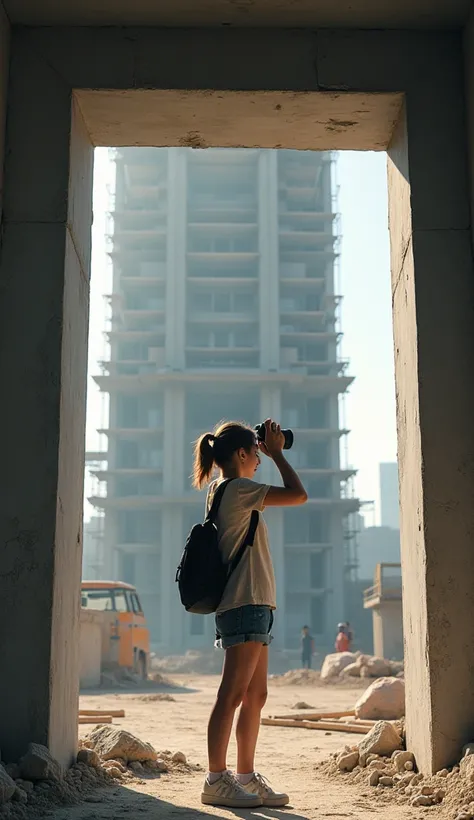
[288,434]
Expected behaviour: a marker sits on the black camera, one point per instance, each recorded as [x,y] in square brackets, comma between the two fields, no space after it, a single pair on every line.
[288,434]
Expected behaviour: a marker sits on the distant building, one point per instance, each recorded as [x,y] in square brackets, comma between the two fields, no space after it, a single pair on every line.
[223,306]
[92,554]
[389,504]
[377,545]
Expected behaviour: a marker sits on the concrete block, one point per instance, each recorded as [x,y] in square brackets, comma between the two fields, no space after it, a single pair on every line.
[37,140]
[80,188]
[4,63]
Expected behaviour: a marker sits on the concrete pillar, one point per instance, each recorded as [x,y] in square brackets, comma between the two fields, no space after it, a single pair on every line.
[176,260]
[44,278]
[4,61]
[269,295]
[433,304]
[388,630]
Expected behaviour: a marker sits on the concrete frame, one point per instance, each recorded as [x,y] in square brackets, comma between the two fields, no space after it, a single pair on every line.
[44,313]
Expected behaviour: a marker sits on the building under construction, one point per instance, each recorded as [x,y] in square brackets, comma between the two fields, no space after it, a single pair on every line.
[224,306]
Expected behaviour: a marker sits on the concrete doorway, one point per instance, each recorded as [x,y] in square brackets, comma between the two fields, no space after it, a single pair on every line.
[361,91]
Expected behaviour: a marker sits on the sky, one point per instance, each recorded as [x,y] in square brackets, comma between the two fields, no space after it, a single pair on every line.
[363,279]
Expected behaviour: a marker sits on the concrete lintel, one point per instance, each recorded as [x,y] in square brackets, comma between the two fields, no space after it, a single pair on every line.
[265,119]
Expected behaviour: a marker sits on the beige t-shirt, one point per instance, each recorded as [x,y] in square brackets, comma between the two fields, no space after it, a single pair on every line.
[253,581]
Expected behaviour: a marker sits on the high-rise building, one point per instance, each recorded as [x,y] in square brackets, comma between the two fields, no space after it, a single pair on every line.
[389,503]
[223,306]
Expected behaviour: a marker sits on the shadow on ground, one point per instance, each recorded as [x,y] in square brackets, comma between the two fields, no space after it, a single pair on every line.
[117,802]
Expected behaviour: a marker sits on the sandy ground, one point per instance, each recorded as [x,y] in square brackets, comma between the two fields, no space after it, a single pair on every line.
[286,756]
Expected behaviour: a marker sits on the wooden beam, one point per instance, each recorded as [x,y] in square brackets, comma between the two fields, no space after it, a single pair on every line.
[118,713]
[95,720]
[315,715]
[322,725]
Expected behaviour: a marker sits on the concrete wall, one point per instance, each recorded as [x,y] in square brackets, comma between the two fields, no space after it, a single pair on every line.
[4,64]
[469,92]
[90,649]
[388,630]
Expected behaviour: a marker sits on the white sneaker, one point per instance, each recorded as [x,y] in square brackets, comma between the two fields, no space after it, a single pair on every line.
[260,786]
[227,791]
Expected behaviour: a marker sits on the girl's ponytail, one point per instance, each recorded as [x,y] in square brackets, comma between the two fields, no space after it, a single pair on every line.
[204,459]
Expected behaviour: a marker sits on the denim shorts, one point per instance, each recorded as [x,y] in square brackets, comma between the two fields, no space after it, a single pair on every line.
[244,624]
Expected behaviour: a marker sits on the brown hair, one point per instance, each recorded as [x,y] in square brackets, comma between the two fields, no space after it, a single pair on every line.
[217,448]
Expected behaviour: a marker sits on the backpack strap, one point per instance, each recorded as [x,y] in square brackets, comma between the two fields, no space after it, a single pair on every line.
[216,501]
[247,542]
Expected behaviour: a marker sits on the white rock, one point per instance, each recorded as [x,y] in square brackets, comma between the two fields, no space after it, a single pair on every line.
[378,667]
[402,758]
[335,663]
[422,800]
[374,778]
[383,700]
[110,742]
[348,762]
[352,670]
[468,749]
[382,739]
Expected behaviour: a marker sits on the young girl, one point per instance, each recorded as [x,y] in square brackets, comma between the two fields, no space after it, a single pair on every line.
[245,615]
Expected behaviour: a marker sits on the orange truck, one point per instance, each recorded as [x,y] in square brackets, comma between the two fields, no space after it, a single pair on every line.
[125,634]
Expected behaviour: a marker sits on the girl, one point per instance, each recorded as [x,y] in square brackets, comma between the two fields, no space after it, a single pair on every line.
[245,615]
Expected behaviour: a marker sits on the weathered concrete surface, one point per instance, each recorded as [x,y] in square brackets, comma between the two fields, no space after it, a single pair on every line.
[200,119]
[298,13]
[388,630]
[433,310]
[4,62]
[43,347]
[90,649]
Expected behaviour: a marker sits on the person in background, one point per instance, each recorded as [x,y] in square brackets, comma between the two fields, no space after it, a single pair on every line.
[342,641]
[350,635]
[307,648]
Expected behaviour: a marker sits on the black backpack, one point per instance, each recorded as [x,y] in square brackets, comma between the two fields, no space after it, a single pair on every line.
[202,574]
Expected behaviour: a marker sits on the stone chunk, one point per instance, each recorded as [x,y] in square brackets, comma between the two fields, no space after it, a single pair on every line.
[89,757]
[179,757]
[111,742]
[382,739]
[467,768]
[401,759]
[386,781]
[39,764]
[335,663]
[7,786]
[378,667]
[422,800]
[348,762]
[374,778]
[383,700]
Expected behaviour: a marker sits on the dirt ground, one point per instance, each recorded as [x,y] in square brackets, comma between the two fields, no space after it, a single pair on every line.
[285,756]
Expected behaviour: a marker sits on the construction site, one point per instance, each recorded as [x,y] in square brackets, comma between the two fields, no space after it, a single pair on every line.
[362,735]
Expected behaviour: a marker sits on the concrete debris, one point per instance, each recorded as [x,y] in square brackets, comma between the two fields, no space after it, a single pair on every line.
[302,705]
[334,664]
[383,700]
[111,742]
[39,764]
[468,749]
[383,739]
[89,757]
[179,757]
[356,665]
[386,780]
[402,759]
[7,786]
[347,761]
[378,667]
[467,768]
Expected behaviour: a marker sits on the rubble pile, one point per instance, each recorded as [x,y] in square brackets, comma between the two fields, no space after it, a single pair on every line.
[311,677]
[381,762]
[357,665]
[33,786]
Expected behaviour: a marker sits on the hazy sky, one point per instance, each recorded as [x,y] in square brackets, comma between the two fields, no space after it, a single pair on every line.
[364,282]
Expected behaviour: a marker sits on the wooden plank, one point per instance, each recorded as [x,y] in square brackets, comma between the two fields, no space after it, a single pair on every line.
[95,720]
[322,725]
[118,713]
[315,715]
